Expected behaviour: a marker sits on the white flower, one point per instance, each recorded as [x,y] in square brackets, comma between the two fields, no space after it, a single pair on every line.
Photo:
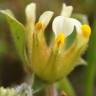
[30,12]
[31,16]
[66,10]
[65,25]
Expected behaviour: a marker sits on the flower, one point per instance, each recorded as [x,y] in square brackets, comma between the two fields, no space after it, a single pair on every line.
[53,62]
[66,10]
[66,26]
[56,61]
[35,28]
[31,17]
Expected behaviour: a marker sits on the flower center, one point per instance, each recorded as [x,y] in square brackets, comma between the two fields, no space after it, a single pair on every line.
[60,39]
[86,30]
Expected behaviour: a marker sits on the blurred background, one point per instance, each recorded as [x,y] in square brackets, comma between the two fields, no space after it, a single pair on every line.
[11,70]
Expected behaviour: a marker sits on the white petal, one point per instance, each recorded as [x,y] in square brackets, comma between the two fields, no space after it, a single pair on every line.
[66,10]
[62,24]
[30,12]
[45,18]
[77,25]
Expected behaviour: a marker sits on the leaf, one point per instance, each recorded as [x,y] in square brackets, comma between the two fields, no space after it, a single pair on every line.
[90,72]
[3,47]
[18,32]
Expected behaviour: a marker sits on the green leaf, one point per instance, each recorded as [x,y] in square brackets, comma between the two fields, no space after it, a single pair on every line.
[18,32]
[91,68]
[3,47]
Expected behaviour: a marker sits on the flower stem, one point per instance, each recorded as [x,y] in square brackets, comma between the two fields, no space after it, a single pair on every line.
[51,90]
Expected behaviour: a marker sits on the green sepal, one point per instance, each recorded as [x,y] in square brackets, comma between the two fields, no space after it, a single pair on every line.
[18,32]
[81,61]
